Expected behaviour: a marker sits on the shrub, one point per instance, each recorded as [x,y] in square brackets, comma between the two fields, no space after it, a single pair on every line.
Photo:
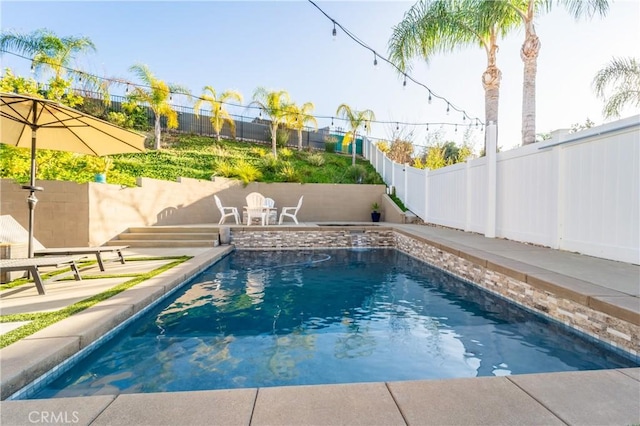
[223,168]
[285,153]
[316,159]
[270,163]
[356,173]
[289,173]
[247,172]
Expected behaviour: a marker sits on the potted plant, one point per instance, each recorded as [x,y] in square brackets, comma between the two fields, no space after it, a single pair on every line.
[102,166]
[375,212]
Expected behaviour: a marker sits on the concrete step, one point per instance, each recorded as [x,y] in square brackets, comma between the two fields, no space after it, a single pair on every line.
[169,236]
[173,229]
[126,236]
[165,243]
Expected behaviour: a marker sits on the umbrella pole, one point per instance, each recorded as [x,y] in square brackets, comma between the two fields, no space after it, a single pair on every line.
[32,200]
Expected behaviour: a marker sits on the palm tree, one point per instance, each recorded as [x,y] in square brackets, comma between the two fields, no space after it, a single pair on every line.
[442,26]
[218,113]
[50,53]
[355,119]
[157,94]
[48,50]
[275,104]
[299,116]
[528,10]
[624,75]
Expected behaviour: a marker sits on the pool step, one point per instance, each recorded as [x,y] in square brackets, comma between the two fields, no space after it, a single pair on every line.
[168,236]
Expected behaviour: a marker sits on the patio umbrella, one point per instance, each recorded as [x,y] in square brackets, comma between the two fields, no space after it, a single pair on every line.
[60,128]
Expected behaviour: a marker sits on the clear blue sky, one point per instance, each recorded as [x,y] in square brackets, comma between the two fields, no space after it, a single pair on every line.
[287,45]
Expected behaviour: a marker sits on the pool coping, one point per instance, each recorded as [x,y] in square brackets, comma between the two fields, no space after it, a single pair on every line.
[33,356]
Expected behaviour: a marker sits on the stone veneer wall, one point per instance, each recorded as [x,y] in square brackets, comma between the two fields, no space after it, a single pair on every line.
[299,238]
[599,325]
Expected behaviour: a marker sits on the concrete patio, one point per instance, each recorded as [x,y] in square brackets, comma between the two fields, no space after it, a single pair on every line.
[577,398]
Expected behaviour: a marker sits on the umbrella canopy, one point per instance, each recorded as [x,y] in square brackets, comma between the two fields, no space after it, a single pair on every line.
[34,123]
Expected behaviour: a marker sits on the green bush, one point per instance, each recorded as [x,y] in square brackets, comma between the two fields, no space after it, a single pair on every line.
[316,159]
[356,174]
[247,172]
[330,147]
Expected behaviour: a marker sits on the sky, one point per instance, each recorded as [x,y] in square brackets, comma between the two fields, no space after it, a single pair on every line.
[287,45]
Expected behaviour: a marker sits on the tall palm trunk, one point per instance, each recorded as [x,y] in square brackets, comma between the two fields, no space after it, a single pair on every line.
[529,54]
[491,84]
[274,138]
[157,131]
[219,124]
[299,139]
[353,148]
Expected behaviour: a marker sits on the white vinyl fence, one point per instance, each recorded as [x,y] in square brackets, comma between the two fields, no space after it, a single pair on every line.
[577,192]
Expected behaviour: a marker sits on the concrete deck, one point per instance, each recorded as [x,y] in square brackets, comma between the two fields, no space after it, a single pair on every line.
[578,398]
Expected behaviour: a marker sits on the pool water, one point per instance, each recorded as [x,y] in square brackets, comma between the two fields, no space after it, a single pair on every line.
[263,318]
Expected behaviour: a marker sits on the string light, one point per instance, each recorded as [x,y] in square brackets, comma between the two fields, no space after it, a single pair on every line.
[363,44]
[397,126]
[127,89]
[375,59]
[429,100]
[334,33]
[33,66]
[332,121]
[447,108]
[404,84]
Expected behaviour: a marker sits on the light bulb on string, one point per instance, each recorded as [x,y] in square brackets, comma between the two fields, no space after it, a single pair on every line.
[397,126]
[427,127]
[33,66]
[334,33]
[464,117]
[404,83]
[331,121]
[429,100]
[456,130]
[127,89]
[476,122]
[447,108]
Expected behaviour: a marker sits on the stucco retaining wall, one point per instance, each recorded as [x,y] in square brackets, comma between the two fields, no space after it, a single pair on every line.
[71,214]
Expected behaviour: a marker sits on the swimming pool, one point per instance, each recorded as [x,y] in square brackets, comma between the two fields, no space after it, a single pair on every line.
[263,318]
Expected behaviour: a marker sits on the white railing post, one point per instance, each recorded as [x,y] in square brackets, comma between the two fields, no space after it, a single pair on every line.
[468,191]
[406,185]
[490,227]
[426,195]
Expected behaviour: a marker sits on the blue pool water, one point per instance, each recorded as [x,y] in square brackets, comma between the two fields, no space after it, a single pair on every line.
[260,319]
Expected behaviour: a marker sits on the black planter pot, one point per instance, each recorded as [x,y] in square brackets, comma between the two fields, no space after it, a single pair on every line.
[375,216]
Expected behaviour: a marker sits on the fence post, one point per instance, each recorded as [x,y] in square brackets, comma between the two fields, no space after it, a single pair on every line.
[468,190]
[490,227]
[426,195]
[406,184]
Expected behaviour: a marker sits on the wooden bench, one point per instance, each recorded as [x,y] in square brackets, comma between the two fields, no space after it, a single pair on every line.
[71,251]
[33,264]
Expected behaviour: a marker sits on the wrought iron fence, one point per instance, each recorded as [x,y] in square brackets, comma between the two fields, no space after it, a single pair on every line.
[247,127]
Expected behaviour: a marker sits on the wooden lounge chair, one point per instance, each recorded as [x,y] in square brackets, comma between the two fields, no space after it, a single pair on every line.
[83,250]
[33,264]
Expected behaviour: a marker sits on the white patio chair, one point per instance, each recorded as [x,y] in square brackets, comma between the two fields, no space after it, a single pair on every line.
[291,212]
[226,212]
[255,208]
[272,211]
